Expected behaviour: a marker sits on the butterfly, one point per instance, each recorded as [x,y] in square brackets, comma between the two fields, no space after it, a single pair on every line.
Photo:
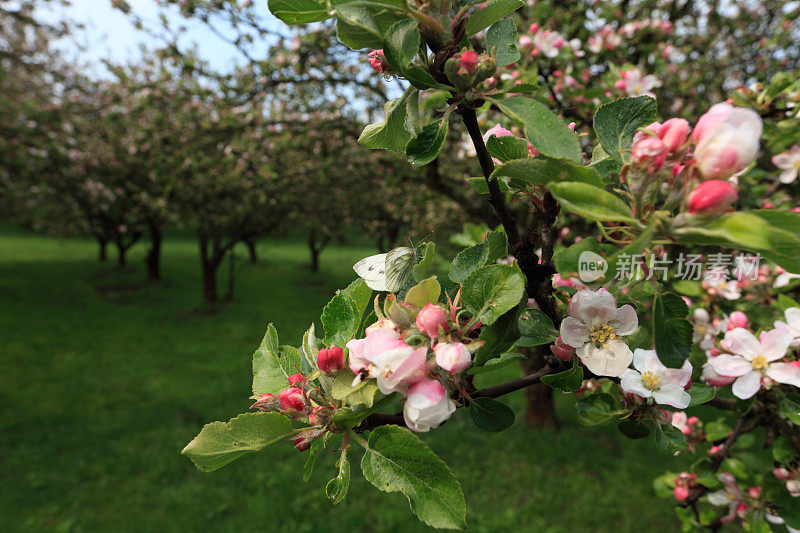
[387,272]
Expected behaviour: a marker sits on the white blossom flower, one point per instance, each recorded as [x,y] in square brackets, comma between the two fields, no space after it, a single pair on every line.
[636,84]
[716,282]
[789,162]
[593,328]
[783,279]
[427,406]
[792,323]
[705,332]
[652,379]
[755,359]
[729,496]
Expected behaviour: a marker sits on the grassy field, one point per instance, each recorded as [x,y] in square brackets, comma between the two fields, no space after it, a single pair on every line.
[104,378]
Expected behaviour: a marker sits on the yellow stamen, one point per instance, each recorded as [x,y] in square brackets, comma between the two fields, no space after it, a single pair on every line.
[759,363]
[602,333]
[651,381]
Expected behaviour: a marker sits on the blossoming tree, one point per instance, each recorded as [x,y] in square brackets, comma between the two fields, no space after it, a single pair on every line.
[400,346]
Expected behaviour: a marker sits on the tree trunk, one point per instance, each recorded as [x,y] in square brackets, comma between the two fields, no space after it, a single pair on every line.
[121,250]
[314,250]
[251,249]
[102,242]
[539,404]
[153,259]
[231,273]
[208,265]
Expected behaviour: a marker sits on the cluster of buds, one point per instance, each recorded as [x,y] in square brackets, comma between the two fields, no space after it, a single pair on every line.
[684,484]
[657,143]
[468,68]
[377,60]
[791,476]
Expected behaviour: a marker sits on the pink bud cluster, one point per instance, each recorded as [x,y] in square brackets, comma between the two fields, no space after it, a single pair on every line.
[683,485]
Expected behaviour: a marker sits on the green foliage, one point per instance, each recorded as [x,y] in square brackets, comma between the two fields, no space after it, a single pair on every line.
[592,202]
[672,333]
[634,429]
[425,292]
[546,132]
[790,407]
[396,460]
[402,44]
[363,393]
[497,339]
[340,319]
[596,409]
[317,447]
[616,123]
[491,415]
[273,364]
[501,37]
[543,170]
[219,443]
[669,439]
[360,26]
[426,252]
[424,148]
[700,394]
[299,11]
[490,291]
[493,11]
[493,247]
[566,260]
[336,489]
[394,131]
[535,329]
[506,148]
[567,381]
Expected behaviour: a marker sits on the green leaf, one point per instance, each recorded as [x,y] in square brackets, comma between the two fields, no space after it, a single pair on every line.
[491,415]
[671,332]
[425,292]
[299,11]
[392,133]
[359,26]
[497,339]
[616,123]
[546,132]
[424,148]
[592,202]
[467,261]
[782,451]
[567,381]
[496,363]
[426,252]
[716,430]
[596,409]
[219,443]
[670,439]
[402,43]
[420,78]
[340,320]
[346,418]
[633,429]
[790,407]
[567,260]
[396,460]
[632,250]
[507,148]
[785,302]
[492,11]
[361,394]
[361,295]
[317,446]
[309,348]
[543,170]
[492,290]
[700,394]
[273,364]
[502,38]
[536,329]
[336,489]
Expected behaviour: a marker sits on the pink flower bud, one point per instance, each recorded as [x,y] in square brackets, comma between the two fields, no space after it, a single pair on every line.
[497,131]
[315,419]
[737,320]
[727,140]
[452,356]
[781,473]
[468,61]
[674,133]
[712,197]
[292,399]
[330,360]
[754,492]
[377,60]
[525,42]
[650,152]
[430,319]
[301,444]
[714,450]
[296,379]
[563,351]
[692,420]
[681,493]
[793,486]
[266,402]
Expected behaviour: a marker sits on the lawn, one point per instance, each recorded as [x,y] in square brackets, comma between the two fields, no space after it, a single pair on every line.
[104,378]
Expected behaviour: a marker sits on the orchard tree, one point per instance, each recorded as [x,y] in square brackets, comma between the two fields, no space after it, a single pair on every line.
[616,316]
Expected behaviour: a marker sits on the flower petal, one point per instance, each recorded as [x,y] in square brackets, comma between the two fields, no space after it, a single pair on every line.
[642,358]
[718,498]
[574,332]
[610,360]
[596,307]
[625,321]
[631,381]
[741,342]
[784,373]
[775,343]
[788,176]
[793,317]
[730,365]
[747,385]
[673,395]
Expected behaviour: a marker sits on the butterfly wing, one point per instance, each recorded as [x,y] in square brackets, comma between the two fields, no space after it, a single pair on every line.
[372,270]
[399,263]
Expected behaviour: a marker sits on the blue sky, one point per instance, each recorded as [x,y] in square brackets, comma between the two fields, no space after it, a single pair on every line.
[110,34]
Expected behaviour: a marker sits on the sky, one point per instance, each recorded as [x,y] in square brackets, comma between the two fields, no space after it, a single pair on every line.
[110,34]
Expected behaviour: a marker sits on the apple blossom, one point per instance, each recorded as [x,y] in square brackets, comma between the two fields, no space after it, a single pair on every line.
[649,153]
[705,332]
[730,495]
[789,163]
[712,197]
[792,324]
[562,350]
[674,133]
[387,358]
[427,405]
[363,351]
[452,356]
[381,323]
[755,359]
[652,379]
[430,319]
[634,84]
[330,360]
[292,399]
[716,283]
[593,328]
[727,140]
[378,62]
[737,319]
[711,376]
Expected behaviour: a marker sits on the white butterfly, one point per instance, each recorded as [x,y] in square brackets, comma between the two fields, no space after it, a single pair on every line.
[387,272]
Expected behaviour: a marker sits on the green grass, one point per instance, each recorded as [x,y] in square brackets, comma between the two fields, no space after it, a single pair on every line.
[104,378]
